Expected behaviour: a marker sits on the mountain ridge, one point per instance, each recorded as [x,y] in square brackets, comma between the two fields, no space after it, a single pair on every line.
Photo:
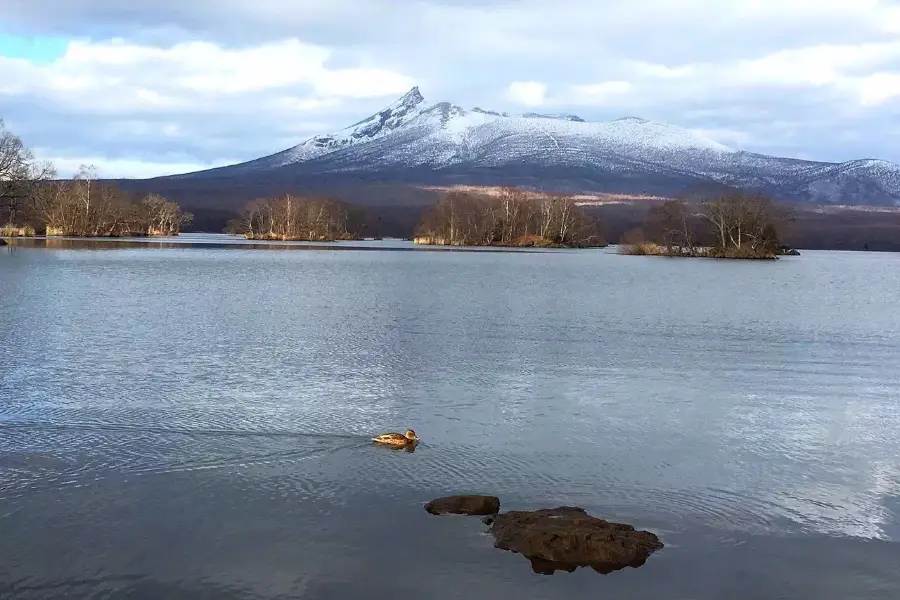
[414,141]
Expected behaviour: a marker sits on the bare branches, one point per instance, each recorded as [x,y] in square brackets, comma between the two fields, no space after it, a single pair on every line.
[30,199]
[20,177]
[84,207]
[735,224]
[163,216]
[291,217]
[668,224]
[744,223]
[510,218]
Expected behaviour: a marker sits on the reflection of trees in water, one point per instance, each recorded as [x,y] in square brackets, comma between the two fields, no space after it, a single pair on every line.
[80,243]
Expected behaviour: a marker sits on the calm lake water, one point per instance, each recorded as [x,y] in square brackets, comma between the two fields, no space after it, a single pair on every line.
[194,422]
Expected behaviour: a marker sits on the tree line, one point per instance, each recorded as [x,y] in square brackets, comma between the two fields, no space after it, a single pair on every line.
[510,218]
[730,224]
[299,218]
[33,201]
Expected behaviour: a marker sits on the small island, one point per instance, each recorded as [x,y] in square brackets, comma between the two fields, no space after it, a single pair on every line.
[735,225]
[296,218]
[510,218]
[33,202]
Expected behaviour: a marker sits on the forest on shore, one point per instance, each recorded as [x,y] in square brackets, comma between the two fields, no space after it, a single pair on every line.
[34,202]
[512,217]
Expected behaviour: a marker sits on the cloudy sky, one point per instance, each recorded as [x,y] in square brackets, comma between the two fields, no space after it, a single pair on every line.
[141,88]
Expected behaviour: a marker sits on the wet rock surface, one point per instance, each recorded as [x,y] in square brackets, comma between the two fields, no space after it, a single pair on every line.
[464,505]
[566,538]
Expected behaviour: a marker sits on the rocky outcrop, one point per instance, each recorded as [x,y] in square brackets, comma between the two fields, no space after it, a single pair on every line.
[788,251]
[566,538]
[464,505]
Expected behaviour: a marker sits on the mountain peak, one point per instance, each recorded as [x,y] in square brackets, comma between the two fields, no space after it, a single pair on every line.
[415,140]
[411,98]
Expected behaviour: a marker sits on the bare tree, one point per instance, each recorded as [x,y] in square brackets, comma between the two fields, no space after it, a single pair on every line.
[81,206]
[291,217]
[21,176]
[164,217]
[510,218]
[668,225]
[744,223]
[740,225]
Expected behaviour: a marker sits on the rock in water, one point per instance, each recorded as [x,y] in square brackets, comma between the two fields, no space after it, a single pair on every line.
[2,242]
[464,505]
[566,538]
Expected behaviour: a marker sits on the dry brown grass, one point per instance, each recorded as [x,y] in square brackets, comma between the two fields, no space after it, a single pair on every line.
[643,249]
[10,230]
[277,237]
[744,253]
[531,241]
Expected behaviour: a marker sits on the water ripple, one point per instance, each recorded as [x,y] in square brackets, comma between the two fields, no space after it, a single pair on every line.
[227,426]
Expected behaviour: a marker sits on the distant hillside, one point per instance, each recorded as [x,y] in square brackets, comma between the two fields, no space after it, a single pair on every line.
[415,142]
[402,158]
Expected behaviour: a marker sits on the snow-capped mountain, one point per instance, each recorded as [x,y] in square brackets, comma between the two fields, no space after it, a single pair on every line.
[413,141]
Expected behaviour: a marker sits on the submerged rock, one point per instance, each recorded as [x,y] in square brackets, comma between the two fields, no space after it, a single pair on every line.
[2,242]
[464,505]
[566,538]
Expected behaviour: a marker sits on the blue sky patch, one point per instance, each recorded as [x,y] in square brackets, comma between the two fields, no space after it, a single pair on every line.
[36,49]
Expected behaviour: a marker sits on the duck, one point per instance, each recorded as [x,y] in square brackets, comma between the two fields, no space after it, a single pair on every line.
[397,439]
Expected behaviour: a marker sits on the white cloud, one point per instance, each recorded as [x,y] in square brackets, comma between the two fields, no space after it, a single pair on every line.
[186,83]
[125,167]
[815,65]
[846,70]
[645,69]
[527,93]
[362,83]
[879,88]
[116,75]
[598,93]
[246,77]
[535,94]
[889,20]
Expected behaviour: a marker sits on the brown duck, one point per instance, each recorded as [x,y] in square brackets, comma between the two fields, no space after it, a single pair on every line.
[397,439]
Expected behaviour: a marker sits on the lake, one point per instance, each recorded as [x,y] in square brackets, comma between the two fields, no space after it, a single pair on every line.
[194,421]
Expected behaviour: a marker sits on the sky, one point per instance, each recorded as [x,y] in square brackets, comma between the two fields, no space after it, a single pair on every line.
[145,88]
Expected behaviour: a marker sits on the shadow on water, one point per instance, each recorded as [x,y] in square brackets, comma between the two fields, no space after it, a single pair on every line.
[407,448]
[549,567]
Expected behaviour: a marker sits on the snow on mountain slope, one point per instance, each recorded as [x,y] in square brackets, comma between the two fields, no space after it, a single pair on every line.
[385,122]
[412,136]
[444,134]
[851,182]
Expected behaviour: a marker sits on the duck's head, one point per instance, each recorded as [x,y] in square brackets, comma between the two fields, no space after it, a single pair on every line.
[411,435]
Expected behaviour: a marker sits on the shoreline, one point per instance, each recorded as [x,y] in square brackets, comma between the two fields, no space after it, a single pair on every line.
[531,242]
[655,250]
[241,243]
